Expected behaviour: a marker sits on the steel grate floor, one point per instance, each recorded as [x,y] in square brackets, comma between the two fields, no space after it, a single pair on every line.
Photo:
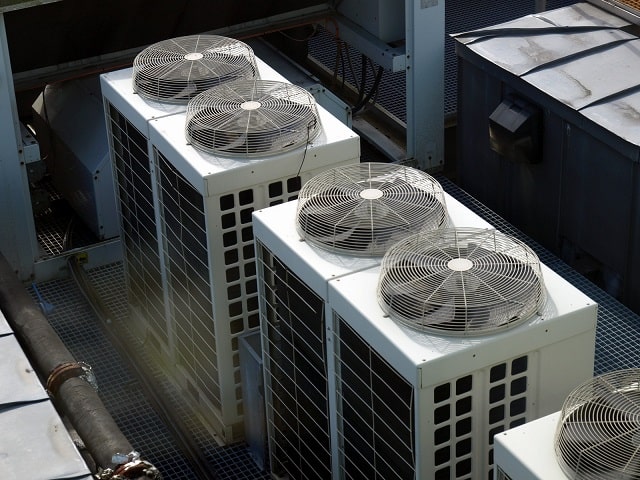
[617,337]
[79,327]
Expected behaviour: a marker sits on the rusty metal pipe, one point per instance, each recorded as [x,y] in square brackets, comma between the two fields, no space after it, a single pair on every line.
[74,395]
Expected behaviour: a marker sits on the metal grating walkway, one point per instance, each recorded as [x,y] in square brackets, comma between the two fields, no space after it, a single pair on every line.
[617,337]
[80,328]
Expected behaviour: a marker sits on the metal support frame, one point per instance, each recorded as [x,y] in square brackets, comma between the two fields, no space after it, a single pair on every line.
[424,27]
[18,240]
[422,59]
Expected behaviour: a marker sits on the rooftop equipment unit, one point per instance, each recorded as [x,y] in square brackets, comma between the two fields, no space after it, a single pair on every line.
[594,436]
[343,222]
[191,164]
[70,125]
[239,147]
[548,135]
[470,336]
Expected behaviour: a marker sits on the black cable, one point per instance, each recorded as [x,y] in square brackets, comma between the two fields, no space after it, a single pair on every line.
[374,88]
[310,125]
[363,79]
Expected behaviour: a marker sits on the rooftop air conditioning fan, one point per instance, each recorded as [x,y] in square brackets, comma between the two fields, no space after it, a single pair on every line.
[362,209]
[598,432]
[178,69]
[293,278]
[206,193]
[130,104]
[252,118]
[423,398]
[594,435]
[461,282]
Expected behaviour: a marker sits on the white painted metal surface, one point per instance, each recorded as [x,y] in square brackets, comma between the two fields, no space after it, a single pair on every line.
[527,452]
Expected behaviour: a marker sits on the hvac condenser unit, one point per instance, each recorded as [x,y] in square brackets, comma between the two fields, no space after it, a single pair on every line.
[459,334]
[593,437]
[239,147]
[343,222]
[165,76]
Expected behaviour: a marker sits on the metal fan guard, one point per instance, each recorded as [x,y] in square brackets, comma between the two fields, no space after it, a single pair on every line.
[178,69]
[460,281]
[598,434]
[251,118]
[363,209]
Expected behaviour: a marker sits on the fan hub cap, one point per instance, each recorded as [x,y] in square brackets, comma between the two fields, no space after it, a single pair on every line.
[460,264]
[250,105]
[371,193]
[193,56]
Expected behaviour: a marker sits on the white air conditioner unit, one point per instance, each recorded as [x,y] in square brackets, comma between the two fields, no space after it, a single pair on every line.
[164,77]
[300,247]
[239,147]
[471,336]
[594,436]
[186,211]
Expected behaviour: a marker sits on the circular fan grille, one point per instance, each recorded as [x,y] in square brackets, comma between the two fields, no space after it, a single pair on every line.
[598,435]
[176,70]
[252,118]
[462,281]
[362,209]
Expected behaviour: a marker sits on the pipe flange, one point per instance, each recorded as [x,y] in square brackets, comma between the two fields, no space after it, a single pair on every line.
[65,371]
[130,466]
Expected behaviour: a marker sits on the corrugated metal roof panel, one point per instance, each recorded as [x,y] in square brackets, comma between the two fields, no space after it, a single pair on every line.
[579,56]
[621,115]
[520,54]
[592,77]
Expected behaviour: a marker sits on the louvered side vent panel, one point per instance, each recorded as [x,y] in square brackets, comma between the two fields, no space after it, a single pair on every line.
[189,285]
[297,405]
[375,412]
[138,226]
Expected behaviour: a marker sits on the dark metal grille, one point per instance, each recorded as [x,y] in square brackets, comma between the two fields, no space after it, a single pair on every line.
[130,157]
[184,245]
[297,405]
[375,412]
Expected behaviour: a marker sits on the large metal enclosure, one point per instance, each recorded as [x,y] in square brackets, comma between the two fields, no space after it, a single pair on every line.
[548,135]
